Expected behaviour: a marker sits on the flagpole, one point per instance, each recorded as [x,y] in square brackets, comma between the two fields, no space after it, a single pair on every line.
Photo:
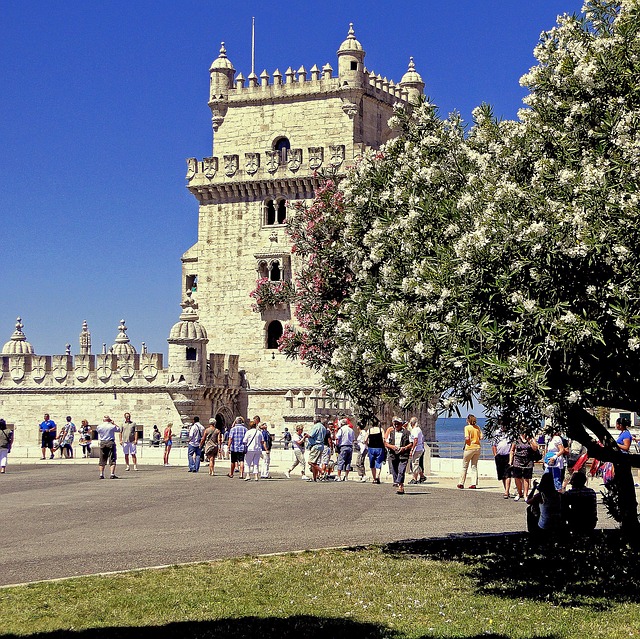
[253,45]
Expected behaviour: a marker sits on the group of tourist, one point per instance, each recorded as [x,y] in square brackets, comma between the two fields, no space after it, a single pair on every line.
[401,445]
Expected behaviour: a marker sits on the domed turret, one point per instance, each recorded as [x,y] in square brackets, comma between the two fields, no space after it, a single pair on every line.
[18,344]
[188,346]
[122,345]
[412,82]
[221,72]
[351,61]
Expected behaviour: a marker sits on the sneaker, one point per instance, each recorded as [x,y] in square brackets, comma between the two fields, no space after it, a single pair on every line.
[51,457]
[287,474]
[127,468]
[413,482]
[114,477]
[422,479]
[472,486]
[363,479]
[135,467]
[338,479]
[376,481]
[256,479]
[101,477]
[41,458]
[247,478]
[304,478]
[517,498]
[461,486]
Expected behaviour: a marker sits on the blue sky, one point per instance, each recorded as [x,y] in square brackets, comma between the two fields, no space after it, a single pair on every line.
[101,103]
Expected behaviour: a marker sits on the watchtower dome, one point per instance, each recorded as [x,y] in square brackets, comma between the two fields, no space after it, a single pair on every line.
[351,61]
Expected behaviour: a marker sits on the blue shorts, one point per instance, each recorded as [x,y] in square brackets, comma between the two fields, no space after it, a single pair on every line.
[376,457]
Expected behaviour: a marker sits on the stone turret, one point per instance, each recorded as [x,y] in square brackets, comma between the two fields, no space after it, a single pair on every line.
[85,339]
[123,345]
[221,80]
[188,347]
[412,82]
[18,344]
[351,61]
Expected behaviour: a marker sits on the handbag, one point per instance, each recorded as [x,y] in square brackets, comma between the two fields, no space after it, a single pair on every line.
[535,455]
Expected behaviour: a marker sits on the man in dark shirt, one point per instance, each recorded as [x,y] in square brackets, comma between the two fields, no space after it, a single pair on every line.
[580,505]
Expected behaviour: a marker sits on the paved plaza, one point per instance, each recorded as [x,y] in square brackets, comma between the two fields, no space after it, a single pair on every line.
[60,520]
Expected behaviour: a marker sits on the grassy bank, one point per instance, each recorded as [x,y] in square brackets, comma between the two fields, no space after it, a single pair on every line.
[501,586]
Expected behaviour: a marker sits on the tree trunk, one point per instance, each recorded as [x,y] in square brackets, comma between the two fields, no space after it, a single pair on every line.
[578,421]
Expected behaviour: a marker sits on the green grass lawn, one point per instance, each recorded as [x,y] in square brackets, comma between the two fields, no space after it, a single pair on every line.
[503,586]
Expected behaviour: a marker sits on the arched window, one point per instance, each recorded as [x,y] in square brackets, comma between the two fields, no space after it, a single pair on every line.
[275,212]
[282,145]
[269,212]
[274,333]
[275,273]
[282,211]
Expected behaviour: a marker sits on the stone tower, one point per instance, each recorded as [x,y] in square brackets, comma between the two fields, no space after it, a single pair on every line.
[271,135]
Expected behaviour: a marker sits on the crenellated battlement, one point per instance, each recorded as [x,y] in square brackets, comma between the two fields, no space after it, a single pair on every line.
[304,84]
[106,371]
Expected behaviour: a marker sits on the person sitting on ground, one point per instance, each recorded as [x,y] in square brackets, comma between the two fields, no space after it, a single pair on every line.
[548,499]
[580,505]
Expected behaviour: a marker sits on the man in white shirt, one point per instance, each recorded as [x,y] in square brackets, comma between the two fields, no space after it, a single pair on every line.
[344,441]
[193,449]
[416,437]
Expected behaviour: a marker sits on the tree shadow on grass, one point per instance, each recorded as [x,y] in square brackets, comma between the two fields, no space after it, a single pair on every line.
[595,571]
[297,627]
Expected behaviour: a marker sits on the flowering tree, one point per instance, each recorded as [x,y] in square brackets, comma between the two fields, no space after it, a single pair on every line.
[504,263]
[268,294]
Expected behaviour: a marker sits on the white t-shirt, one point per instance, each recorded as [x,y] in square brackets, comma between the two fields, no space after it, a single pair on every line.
[554,445]
[298,441]
[416,434]
[345,436]
[253,440]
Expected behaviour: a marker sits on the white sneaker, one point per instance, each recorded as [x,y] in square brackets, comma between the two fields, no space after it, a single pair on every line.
[516,498]
[363,479]
[127,468]
[287,474]
[304,478]
[135,467]
[247,478]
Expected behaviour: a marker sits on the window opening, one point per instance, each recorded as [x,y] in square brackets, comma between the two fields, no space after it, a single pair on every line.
[282,145]
[275,274]
[192,354]
[282,211]
[270,213]
[274,333]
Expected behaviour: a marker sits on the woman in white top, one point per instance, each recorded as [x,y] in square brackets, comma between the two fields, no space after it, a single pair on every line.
[254,445]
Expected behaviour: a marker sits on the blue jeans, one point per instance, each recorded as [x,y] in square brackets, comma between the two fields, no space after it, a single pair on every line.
[556,473]
[193,455]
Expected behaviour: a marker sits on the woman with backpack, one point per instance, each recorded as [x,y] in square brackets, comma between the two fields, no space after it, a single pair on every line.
[6,441]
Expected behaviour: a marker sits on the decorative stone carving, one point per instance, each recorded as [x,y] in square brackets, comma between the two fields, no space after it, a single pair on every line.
[336,154]
[39,367]
[273,161]
[18,369]
[294,159]
[126,367]
[150,366]
[192,168]
[231,163]
[104,367]
[252,162]
[60,367]
[83,367]
[316,157]
[210,167]
[350,109]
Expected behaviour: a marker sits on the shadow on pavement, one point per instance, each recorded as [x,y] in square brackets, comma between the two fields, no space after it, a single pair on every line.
[266,628]
[592,571]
